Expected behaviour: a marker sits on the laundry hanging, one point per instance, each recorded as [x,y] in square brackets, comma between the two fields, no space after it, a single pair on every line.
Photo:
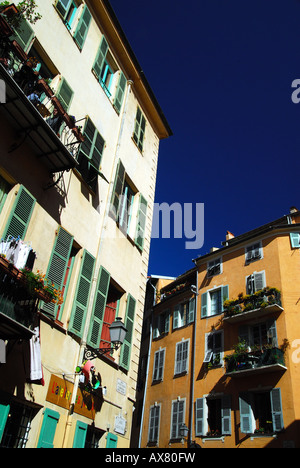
[18,252]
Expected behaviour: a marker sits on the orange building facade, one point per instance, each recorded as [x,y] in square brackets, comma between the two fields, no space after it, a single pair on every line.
[240,386]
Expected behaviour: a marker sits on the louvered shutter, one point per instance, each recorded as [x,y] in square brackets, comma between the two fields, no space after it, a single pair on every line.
[225,295]
[58,265]
[129,321]
[295,240]
[176,316]
[48,429]
[120,92]
[117,191]
[226,414]
[20,215]
[80,434]
[259,281]
[245,413]
[63,7]
[99,308]
[276,409]
[65,94]
[141,224]
[100,57]
[204,305]
[82,294]
[192,303]
[4,412]
[83,27]
[24,35]
[199,417]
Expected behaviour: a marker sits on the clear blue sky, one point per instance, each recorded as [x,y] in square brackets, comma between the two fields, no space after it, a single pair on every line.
[222,71]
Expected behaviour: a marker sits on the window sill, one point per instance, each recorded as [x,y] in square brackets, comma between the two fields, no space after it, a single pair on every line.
[271,435]
[213,439]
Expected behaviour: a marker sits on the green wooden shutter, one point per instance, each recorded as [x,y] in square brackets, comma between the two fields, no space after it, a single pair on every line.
[99,308]
[100,57]
[141,224]
[295,240]
[139,129]
[48,429]
[24,35]
[126,347]
[65,94]
[93,144]
[82,294]
[80,434]
[83,27]
[20,215]
[226,415]
[58,265]
[204,305]
[111,440]
[276,409]
[120,92]
[4,412]
[199,417]
[117,191]
[245,413]
[63,7]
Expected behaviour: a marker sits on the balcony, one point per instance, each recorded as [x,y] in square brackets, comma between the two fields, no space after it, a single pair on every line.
[270,359]
[258,305]
[27,116]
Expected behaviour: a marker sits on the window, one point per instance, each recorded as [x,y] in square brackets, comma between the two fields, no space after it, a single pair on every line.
[158,367]
[214,348]
[139,129]
[261,412]
[68,10]
[184,314]
[24,35]
[213,416]
[214,267]
[253,252]
[82,27]
[90,154]
[110,313]
[154,420]
[212,301]
[255,282]
[93,437]
[181,358]
[259,334]
[177,417]
[15,425]
[50,422]
[64,94]
[295,240]
[161,324]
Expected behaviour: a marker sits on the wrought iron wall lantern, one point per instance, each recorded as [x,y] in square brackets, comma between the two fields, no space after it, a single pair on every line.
[117,331]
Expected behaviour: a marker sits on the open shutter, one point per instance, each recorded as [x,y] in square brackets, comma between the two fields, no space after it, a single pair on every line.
[199,416]
[226,414]
[276,409]
[99,308]
[204,305]
[80,434]
[295,240]
[259,281]
[126,347]
[271,332]
[225,295]
[82,294]
[83,27]
[100,57]
[65,94]
[192,303]
[120,92]
[24,35]
[20,215]
[4,412]
[176,316]
[141,224]
[48,429]
[58,265]
[63,7]
[245,414]
[117,191]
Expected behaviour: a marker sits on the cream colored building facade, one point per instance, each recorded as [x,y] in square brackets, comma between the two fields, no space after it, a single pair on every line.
[88,222]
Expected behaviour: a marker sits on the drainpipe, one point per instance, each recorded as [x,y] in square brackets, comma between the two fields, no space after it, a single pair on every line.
[96,270]
[193,363]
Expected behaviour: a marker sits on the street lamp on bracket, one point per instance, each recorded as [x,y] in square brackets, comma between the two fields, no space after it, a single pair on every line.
[117,331]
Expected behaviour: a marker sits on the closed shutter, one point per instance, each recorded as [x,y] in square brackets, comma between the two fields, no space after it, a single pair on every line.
[276,409]
[65,94]
[245,413]
[141,224]
[192,303]
[100,57]
[120,92]
[80,434]
[20,216]
[24,35]
[83,27]
[295,240]
[182,351]
[111,440]
[48,429]
[259,281]
[226,415]
[58,265]
[117,191]
[4,412]
[204,305]
[99,308]
[126,347]
[82,294]
[177,418]
[199,417]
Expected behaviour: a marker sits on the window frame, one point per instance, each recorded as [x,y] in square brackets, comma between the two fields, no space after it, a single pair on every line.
[212,265]
[154,424]
[182,317]
[210,354]
[206,303]
[159,365]
[254,281]
[253,252]
[201,414]
[176,413]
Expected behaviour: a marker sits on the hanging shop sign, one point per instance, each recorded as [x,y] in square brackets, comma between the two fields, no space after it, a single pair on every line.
[60,393]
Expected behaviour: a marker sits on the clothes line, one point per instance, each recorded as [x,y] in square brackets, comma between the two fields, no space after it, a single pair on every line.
[18,252]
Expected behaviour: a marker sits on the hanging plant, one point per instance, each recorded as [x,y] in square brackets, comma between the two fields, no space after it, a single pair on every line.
[38,283]
[17,13]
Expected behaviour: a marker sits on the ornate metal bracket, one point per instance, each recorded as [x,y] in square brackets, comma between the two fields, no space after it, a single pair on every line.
[93,353]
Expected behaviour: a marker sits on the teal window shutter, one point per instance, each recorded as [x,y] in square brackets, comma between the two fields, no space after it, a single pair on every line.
[58,265]
[100,58]
[65,94]
[83,27]
[48,429]
[20,215]
[141,223]
[139,129]
[245,413]
[199,417]
[225,295]
[226,414]
[82,294]
[276,409]
[204,305]
[4,412]
[295,240]
[129,320]
[24,35]
[80,434]
[99,308]
[63,7]
[111,440]
[117,191]
[93,144]
[120,93]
